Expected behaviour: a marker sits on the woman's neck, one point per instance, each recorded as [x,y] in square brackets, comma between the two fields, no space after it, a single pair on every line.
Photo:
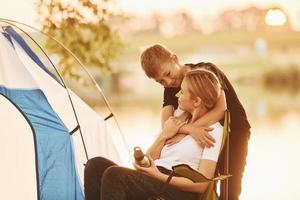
[198,113]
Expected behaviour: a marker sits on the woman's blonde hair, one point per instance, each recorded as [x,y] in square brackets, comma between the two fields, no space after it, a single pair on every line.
[204,84]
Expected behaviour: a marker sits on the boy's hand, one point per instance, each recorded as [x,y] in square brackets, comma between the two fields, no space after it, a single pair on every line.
[202,137]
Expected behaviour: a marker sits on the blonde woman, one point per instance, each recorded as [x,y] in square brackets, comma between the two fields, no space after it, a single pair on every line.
[200,90]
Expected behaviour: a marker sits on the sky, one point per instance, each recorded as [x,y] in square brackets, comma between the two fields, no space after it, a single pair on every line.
[24,10]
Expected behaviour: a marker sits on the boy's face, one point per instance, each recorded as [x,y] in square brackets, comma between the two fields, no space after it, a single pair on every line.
[169,74]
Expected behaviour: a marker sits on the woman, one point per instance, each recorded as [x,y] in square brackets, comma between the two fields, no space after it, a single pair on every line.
[200,90]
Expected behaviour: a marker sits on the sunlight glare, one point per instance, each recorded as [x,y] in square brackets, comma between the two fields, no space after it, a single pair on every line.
[275,17]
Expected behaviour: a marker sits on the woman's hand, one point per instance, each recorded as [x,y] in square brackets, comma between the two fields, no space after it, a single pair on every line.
[171,127]
[151,171]
[175,139]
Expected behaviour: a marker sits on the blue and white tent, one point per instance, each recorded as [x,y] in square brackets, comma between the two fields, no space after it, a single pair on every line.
[41,150]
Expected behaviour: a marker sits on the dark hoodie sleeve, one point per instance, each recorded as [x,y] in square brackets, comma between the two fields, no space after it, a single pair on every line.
[221,76]
[170,97]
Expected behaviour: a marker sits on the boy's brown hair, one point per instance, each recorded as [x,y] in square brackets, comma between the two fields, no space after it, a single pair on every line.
[153,57]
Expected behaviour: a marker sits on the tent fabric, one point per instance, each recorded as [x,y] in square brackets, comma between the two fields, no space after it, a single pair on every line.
[46,117]
[92,126]
[10,32]
[56,165]
[23,154]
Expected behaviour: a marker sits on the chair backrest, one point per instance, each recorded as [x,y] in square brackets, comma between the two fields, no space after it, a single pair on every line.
[210,193]
[225,149]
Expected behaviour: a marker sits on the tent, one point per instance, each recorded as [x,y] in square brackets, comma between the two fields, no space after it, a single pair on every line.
[47,132]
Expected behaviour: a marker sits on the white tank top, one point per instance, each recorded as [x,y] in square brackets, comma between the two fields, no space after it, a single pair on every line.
[187,151]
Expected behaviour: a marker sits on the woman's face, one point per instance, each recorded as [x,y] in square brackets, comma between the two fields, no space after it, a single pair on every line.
[185,101]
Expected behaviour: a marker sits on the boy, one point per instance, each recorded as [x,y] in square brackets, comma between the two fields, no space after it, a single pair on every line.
[163,66]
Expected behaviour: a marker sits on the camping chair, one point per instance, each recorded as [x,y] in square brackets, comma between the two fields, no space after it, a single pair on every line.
[186,171]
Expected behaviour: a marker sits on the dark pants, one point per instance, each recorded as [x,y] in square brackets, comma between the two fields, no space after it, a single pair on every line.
[104,180]
[238,150]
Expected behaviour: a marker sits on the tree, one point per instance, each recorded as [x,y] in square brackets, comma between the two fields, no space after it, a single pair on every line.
[82,26]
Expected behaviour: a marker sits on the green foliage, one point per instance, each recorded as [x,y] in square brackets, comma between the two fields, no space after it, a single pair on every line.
[82,26]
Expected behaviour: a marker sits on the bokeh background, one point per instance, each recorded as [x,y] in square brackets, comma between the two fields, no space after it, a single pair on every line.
[256,43]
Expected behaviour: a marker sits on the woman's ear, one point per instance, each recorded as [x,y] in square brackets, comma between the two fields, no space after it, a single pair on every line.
[197,102]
